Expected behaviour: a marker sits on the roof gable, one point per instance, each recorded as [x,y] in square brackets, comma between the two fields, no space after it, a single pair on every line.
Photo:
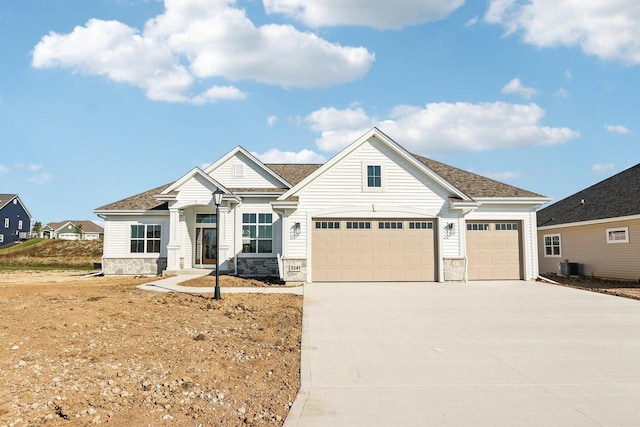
[194,173]
[5,199]
[380,136]
[263,176]
[616,196]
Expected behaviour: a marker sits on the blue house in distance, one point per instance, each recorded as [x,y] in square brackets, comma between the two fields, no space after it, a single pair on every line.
[15,219]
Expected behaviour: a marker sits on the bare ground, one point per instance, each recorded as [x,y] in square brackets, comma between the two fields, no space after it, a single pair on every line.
[82,351]
[626,289]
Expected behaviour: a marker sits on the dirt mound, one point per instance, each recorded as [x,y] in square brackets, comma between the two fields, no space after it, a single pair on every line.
[45,253]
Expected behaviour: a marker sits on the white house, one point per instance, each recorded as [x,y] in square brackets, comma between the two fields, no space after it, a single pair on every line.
[374,212]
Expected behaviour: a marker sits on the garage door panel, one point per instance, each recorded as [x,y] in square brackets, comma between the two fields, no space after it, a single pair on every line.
[392,252]
[494,250]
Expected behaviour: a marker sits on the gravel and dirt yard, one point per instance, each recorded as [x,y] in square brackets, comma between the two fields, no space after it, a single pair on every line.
[78,351]
[627,289]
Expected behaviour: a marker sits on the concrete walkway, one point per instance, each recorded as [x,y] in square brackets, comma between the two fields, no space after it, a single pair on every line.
[480,354]
[172,284]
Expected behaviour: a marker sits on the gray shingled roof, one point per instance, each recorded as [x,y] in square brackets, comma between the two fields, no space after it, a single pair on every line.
[469,183]
[6,198]
[139,202]
[474,185]
[614,197]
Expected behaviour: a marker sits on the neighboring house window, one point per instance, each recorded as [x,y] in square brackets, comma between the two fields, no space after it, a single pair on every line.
[20,224]
[552,245]
[389,225]
[618,235]
[6,223]
[257,233]
[145,238]
[477,227]
[1,238]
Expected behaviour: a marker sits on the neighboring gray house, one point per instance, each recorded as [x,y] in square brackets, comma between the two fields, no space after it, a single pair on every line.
[15,219]
[374,212]
[597,228]
[72,230]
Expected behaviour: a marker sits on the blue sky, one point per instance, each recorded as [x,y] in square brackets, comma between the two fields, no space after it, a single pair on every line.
[104,99]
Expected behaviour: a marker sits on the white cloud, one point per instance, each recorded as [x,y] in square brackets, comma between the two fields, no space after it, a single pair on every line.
[602,167]
[442,127]
[503,176]
[194,40]
[271,120]
[382,15]
[515,87]
[562,93]
[567,75]
[41,178]
[34,168]
[4,169]
[609,29]
[276,156]
[471,22]
[619,129]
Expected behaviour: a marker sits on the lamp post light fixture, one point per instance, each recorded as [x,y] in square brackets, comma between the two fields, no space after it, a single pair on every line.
[217,199]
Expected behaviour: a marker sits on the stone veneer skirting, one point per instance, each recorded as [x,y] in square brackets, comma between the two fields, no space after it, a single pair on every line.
[454,269]
[134,266]
[257,266]
[295,269]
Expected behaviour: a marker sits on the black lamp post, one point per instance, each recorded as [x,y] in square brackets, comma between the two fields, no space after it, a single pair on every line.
[217,199]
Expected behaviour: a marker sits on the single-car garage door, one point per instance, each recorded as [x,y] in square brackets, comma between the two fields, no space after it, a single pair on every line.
[372,250]
[494,250]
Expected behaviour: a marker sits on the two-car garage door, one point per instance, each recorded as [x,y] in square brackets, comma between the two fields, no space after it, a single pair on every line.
[364,250]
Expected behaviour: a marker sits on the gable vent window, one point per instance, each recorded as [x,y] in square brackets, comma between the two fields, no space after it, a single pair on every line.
[238,170]
[477,227]
[618,235]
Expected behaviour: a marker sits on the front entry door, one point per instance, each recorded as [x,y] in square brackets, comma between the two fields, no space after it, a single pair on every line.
[207,243]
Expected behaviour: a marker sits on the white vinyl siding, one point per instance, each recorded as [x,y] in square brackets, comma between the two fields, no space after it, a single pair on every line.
[117,243]
[408,192]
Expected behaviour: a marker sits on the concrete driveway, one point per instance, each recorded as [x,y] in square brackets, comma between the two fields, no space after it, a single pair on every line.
[507,353]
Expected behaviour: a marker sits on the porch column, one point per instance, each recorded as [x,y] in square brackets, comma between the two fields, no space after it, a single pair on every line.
[173,247]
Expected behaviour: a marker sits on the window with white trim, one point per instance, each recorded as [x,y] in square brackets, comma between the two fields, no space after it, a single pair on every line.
[257,233]
[19,224]
[618,235]
[374,176]
[552,245]
[6,223]
[1,238]
[145,238]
